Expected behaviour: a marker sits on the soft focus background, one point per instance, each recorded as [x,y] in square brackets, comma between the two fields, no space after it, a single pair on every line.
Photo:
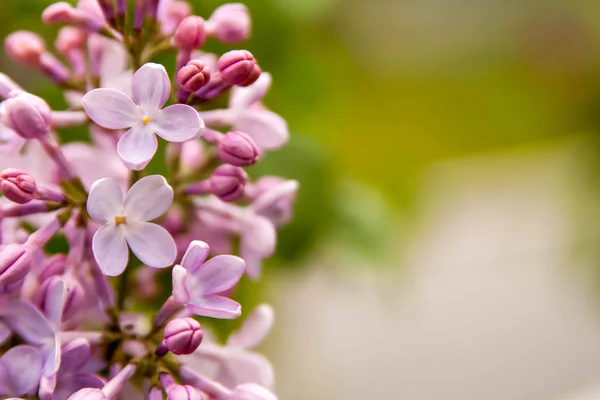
[447,235]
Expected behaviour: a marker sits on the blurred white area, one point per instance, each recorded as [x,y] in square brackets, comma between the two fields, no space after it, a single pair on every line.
[493,300]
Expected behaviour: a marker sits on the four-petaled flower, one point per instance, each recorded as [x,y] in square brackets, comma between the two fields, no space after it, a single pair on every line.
[199,285]
[125,223]
[151,88]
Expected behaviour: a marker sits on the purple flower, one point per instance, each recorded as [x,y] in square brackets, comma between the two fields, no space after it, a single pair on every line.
[110,390]
[198,283]
[235,363]
[151,88]
[20,370]
[125,223]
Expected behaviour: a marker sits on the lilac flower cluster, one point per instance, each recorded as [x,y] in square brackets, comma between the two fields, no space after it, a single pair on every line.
[68,329]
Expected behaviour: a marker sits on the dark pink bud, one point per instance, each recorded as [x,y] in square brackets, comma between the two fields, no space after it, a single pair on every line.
[24,48]
[193,75]
[15,263]
[183,336]
[230,23]
[28,115]
[190,33]
[17,186]
[239,149]
[69,38]
[227,182]
[238,67]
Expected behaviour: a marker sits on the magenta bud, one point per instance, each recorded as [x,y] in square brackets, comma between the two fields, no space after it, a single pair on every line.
[227,182]
[238,67]
[239,149]
[183,336]
[183,392]
[193,75]
[230,23]
[15,263]
[17,186]
[69,38]
[28,115]
[24,48]
[190,33]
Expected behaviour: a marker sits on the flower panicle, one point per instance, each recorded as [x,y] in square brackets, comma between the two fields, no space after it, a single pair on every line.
[67,325]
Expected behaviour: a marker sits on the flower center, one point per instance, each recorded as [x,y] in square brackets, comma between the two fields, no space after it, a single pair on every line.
[119,220]
[146,120]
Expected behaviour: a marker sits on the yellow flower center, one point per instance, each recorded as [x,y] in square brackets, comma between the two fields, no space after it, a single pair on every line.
[146,120]
[119,220]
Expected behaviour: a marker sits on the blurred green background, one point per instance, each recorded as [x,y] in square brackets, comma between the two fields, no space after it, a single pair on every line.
[378,94]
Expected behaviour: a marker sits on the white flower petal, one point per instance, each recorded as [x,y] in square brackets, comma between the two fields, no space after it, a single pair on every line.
[215,307]
[137,146]
[110,250]
[244,97]
[254,329]
[151,243]
[180,292]
[111,109]
[178,123]
[105,201]
[151,87]
[268,129]
[148,198]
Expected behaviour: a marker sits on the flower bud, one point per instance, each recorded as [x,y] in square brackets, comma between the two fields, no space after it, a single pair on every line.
[193,75]
[251,391]
[190,34]
[230,23]
[69,38]
[15,263]
[58,12]
[238,67]
[183,336]
[17,186]
[239,149]
[28,115]
[227,182]
[66,13]
[24,48]
[187,392]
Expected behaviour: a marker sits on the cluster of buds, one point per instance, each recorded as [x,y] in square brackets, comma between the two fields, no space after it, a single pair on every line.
[67,326]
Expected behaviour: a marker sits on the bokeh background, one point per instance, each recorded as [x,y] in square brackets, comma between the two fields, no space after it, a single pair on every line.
[447,235]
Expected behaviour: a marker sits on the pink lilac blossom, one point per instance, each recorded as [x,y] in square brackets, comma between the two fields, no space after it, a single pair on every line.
[68,330]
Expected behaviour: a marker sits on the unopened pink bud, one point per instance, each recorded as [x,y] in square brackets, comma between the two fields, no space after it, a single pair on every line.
[230,23]
[24,48]
[186,392]
[69,38]
[183,336]
[227,182]
[15,263]
[28,115]
[193,75]
[17,186]
[238,67]
[190,33]
[239,149]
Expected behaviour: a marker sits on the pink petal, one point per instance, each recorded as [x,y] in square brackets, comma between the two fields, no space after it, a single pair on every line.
[268,129]
[23,368]
[254,329]
[195,255]
[272,196]
[56,294]
[215,307]
[151,87]
[105,201]
[178,123]
[75,354]
[28,322]
[180,292]
[259,236]
[137,146]
[217,275]
[151,243]
[111,109]
[244,97]
[110,250]
[5,333]
[148,198]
